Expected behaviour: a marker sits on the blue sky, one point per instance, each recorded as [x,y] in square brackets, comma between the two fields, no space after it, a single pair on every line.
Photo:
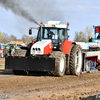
[79,13]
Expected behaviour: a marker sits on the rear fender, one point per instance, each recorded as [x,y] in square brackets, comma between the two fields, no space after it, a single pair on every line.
[66,46]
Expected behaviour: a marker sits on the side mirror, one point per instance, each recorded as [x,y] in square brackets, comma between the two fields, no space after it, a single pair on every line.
[30,32]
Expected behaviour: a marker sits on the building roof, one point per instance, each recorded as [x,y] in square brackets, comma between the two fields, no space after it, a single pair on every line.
[17,42]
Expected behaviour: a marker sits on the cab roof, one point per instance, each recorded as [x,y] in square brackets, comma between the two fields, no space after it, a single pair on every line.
[55,24]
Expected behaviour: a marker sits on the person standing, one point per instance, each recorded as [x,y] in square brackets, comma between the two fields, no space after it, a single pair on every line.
[90,39]
[98,37]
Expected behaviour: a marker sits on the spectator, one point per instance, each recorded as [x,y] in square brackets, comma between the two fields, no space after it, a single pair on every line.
[50,33]
[98,37]
[90,39]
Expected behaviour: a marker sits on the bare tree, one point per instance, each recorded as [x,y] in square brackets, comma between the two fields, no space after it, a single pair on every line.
[80,37]
[83,36]
[88,32]
[12,38]
[5,37]
[27,39]
[0,37]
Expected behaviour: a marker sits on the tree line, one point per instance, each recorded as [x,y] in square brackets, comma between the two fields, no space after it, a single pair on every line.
[5,38]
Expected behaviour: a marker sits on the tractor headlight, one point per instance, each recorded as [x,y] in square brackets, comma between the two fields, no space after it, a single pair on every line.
[33,48]
[37,49]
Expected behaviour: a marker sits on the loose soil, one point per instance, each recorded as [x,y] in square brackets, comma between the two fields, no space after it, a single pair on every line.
[45,87]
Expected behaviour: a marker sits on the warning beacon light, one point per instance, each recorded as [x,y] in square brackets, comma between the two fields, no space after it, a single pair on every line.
[67,23]
[41,22]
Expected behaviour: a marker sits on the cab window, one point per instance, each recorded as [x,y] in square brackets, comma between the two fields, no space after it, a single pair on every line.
[61,35]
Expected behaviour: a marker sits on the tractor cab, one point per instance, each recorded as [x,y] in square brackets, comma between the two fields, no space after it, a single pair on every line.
[53,31]
[56,35]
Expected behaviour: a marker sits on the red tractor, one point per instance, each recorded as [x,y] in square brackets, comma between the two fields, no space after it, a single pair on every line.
[52,52]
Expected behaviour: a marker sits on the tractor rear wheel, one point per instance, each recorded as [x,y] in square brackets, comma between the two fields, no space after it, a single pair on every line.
[75,62]
[60,63]
[67,72]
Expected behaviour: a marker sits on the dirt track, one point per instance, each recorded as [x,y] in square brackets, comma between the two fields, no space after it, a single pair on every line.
[35,87]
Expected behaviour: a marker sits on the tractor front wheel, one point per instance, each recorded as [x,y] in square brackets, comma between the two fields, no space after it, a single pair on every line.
[60,63]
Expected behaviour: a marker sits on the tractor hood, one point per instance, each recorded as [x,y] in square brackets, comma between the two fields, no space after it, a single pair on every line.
[43,47]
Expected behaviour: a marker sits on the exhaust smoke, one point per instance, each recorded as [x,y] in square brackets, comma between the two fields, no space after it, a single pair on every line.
[16,7]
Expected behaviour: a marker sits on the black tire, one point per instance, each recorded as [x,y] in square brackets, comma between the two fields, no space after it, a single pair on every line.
[75,62]
[20,72]
[60,63]
[67,71]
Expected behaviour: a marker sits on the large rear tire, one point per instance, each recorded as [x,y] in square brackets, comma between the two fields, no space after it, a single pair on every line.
[60,63]
[67,71]
[75,62]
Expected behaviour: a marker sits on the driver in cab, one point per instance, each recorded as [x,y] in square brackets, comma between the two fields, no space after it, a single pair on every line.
[49,34]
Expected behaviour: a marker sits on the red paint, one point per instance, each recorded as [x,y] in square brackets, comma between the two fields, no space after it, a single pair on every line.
[32,44]
[97,29]
[93,58]
[35,41]
[48,48]
[66,45]
[1,50]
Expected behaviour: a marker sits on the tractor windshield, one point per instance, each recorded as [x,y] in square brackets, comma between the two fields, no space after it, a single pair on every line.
[55,34]
[49,33]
